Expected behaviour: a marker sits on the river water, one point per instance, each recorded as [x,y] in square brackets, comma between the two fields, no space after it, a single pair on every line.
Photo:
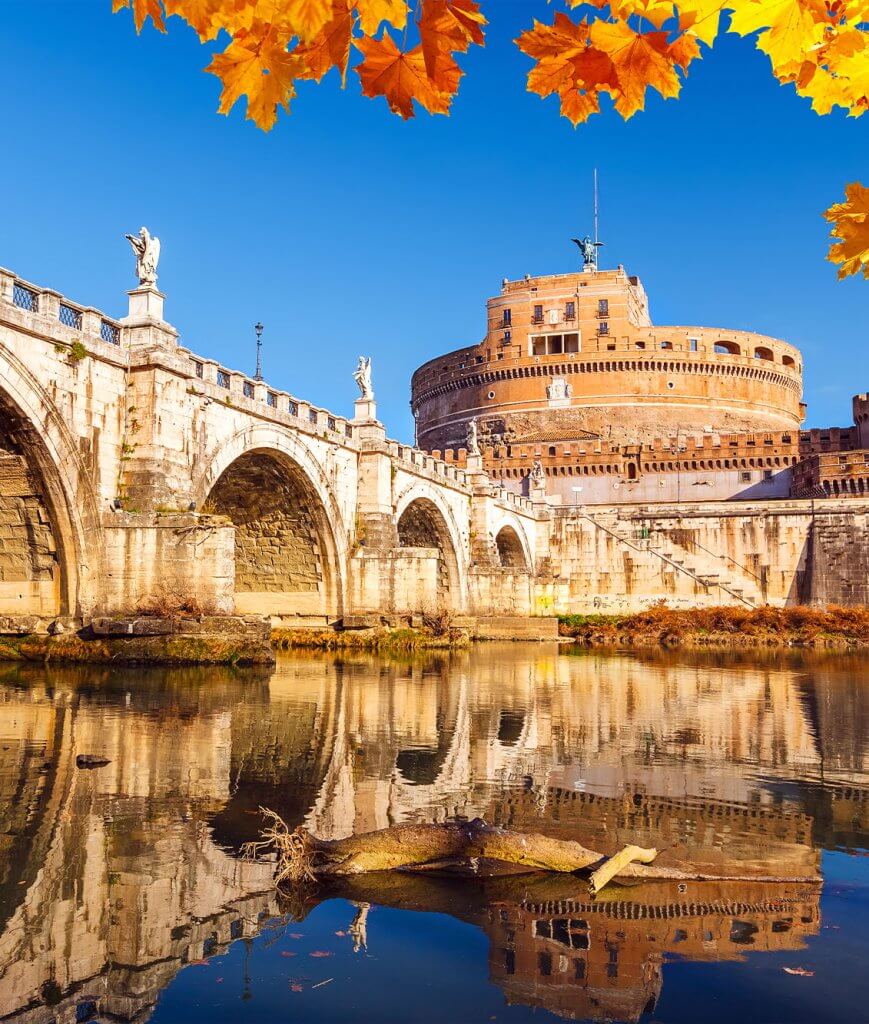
[123,896]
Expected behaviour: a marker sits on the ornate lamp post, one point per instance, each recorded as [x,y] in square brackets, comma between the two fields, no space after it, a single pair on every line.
[258,327]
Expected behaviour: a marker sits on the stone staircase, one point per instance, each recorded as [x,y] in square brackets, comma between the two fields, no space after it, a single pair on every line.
[706,568]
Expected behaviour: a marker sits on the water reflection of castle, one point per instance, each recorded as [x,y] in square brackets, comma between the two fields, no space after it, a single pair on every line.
[127,865]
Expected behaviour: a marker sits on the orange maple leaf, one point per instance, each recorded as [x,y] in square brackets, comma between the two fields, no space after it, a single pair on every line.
[401,77]
[261,70]
[142,10]
[448,26]
[330,48]
[641,60]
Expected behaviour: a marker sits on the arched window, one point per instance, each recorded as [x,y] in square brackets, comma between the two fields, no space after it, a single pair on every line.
[763,353]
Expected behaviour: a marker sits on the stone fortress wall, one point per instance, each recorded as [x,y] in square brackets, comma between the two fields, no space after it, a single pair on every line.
[573,376]
[137,475]
[576,355]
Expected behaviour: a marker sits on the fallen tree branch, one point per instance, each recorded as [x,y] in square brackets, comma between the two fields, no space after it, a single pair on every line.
[616,864]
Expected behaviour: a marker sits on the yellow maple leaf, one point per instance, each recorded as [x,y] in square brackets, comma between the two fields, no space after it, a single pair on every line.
[372,14]
[263,73]
[850,229]
[401,77]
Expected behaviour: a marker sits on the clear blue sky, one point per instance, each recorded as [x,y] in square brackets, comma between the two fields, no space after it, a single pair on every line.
[348,231]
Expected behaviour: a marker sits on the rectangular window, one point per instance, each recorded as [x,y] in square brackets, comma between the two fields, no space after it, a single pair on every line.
[745,478]
[247,389]
[272,399]
[538,315]
[603,327]
[556,344]
[25,298]
[222,379]
[312,415]
[570,311]
[693,342]
[197,369]
[331,424]
[571,342]
[508,317]
[767,474]
[293,408]
[508,337]
[538,345]
[348,430]
[603,307]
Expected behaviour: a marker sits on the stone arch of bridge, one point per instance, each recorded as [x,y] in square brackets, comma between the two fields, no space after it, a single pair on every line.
[51,554]
[511,544]
[424,519]
[290,542]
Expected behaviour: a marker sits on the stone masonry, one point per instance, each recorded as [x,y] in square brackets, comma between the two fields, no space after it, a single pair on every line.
[134,471]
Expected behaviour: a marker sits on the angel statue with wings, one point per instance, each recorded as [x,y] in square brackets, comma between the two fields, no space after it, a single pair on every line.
[147,252]
[362,376]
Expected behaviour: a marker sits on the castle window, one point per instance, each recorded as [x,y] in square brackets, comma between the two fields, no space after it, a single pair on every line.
[763,353]
[508,317]
[610,348]
[552,449]
[603,307]
[571,342]
[603,327]
[693,342]
[666,344]
[247,388]
[727,348]
[745,478]
[639,344]
[767,474]
[537,318]
[788,361]
[570,311]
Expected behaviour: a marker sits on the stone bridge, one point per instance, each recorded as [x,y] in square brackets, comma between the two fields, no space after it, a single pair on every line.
[136,475]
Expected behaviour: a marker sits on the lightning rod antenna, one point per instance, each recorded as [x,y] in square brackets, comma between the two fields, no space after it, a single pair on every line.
[596,235]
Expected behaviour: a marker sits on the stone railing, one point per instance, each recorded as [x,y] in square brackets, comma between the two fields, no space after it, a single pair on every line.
[55,310]
[264,400]
[420,461]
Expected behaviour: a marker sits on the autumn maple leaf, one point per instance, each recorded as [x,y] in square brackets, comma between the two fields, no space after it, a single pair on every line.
[447,27]
[401,77]
[330,48]
[262,71]
[142,10]
[372,14]
[850,222]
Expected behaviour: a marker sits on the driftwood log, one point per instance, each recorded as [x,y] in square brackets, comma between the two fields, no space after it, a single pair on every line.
[465,848]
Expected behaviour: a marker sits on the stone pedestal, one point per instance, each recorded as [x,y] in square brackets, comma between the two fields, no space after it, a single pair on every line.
[146,307]
[365,410]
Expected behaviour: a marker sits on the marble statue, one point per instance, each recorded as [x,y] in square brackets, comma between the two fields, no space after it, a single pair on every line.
[558,389]
[362,376]
[538,475]
[473,442]
[147,252]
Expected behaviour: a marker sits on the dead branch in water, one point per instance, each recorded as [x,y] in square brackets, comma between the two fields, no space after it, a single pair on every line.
[467,848]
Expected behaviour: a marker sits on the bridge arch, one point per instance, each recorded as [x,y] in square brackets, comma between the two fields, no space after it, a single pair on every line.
[511,545]
[53,553]
[424,520]
[290,542]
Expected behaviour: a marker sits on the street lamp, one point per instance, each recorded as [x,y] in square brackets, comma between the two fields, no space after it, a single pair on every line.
[258,327]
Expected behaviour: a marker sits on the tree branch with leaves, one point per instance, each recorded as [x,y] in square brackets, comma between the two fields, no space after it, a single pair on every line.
[406,52]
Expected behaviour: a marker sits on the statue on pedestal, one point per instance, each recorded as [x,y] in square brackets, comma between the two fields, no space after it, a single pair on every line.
[362,376]
[147,252]
[588,249]
[473,442]
[537,476]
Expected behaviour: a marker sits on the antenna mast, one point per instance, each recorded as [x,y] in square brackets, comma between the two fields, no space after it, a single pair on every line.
[596,235]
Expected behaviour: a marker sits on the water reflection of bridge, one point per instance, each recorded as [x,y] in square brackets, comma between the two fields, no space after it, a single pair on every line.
[128,865]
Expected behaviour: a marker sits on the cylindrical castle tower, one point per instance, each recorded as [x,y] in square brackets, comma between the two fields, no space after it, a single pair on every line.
[574,356]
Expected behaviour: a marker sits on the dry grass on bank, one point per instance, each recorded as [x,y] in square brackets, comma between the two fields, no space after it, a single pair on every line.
[723,626]
[378,640]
